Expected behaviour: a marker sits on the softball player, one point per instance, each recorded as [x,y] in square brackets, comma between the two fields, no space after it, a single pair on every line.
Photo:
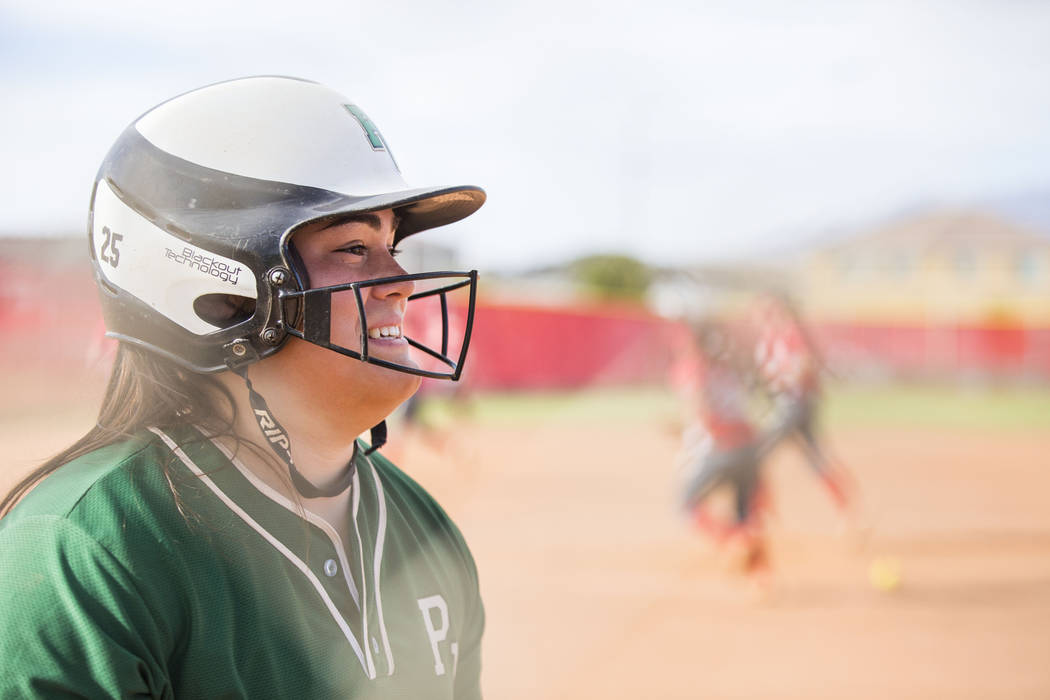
[221,532]
[732,448]
[790,365]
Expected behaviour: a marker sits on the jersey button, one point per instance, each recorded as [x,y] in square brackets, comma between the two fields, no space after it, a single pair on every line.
[331,568]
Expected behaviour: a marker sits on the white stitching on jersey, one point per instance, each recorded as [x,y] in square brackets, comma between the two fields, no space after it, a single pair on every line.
[356,499]
[378,560]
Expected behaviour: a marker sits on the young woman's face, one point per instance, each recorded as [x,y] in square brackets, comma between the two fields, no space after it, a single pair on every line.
[360,248]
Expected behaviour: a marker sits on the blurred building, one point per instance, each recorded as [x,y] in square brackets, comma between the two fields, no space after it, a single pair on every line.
[954,268]
[959,293]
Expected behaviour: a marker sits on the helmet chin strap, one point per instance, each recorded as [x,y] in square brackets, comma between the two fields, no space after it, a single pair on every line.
[378,437]
[277,437]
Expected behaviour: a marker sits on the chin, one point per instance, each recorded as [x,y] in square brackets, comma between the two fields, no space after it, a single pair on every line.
[392,383]
[411,382]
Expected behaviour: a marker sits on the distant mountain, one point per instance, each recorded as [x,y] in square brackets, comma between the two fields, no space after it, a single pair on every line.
[1029,209]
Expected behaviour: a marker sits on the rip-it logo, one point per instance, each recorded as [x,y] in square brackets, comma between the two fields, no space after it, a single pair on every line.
[272,430]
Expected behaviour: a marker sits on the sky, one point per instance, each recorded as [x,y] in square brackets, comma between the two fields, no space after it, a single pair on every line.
[679,132]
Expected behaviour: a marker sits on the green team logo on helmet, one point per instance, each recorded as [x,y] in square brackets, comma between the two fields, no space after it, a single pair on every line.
[374,137]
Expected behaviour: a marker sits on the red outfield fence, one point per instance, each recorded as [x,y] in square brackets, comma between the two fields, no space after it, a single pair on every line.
[941,351]
[51,321]
[519,347]
[542,348]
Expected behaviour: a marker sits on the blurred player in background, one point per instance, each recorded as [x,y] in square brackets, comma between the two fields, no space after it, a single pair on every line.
[431,419]
[753,382]
[725,448]
[789,364]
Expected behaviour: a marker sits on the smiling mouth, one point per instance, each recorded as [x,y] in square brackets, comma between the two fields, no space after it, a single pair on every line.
[390,332]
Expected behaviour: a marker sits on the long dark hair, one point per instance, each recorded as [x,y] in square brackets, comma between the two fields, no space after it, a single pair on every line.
[144,390]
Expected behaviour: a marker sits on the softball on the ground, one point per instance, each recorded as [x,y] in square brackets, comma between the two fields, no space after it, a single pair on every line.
[884,573]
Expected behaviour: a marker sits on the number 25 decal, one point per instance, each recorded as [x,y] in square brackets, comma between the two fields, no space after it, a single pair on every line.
[109,251]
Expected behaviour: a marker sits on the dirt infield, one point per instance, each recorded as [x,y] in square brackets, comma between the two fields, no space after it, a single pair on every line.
[596,588]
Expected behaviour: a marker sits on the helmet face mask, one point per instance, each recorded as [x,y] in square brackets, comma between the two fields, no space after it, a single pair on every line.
[198,199]
[316,305]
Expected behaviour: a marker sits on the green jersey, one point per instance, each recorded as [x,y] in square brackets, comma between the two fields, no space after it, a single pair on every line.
[162,567]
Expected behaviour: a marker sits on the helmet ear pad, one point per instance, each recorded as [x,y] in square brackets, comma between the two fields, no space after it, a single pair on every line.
[224,310]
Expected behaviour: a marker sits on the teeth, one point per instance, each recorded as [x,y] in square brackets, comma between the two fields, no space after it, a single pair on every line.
[385,332]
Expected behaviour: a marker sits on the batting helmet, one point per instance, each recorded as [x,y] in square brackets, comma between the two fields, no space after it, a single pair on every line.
[201,196]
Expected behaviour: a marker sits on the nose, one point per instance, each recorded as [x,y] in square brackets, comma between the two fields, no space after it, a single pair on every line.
[397,289]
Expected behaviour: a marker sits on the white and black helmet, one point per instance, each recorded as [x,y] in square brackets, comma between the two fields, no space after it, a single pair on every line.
[201,195]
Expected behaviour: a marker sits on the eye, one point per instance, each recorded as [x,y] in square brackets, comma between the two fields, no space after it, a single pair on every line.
[354,249]
[360,249]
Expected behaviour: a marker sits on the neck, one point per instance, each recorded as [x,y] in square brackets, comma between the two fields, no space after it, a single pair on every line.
[321,439]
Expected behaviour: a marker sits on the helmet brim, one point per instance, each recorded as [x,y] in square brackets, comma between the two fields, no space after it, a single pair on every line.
[419,208]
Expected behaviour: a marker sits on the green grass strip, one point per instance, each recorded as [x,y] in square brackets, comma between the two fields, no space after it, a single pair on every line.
[595,406]
[925,406]
[846,406]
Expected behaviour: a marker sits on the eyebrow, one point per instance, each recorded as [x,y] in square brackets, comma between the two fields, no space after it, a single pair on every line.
[371,220]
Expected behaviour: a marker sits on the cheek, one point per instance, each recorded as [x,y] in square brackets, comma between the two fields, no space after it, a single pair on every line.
[346,322]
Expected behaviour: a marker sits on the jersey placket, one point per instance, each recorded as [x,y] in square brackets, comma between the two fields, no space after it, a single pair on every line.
[348,570]
[346,567]
[341,567]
